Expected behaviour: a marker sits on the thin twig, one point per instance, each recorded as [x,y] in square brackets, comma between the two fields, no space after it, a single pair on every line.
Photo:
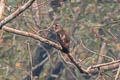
[102,52]
[41,63]
[16,13]
[112,34]
[118,73]
[95,52]
[64,61]
[29,51]
[104,64]
[47,54]
[77,65]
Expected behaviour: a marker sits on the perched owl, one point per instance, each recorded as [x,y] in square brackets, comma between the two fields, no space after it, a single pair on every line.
[62,37]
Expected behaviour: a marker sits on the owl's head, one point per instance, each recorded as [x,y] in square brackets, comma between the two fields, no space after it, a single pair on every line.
[56,27]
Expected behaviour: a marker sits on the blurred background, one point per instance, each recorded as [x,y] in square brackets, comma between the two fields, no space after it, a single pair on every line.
[93,27]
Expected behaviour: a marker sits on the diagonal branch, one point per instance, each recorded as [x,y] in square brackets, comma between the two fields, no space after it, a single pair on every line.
[118,73]
[51,43]
[16,13]
[27,34]
[91,70]
[34,36]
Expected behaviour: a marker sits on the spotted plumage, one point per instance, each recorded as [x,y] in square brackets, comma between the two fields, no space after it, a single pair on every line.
[62,37]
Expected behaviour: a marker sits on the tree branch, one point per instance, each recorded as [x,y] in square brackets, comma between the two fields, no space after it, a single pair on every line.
[2,8]
[104,67]
[91,70]
[16,13]
[35,36]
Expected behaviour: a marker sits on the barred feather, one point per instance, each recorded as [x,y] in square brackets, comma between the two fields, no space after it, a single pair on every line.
[62,37]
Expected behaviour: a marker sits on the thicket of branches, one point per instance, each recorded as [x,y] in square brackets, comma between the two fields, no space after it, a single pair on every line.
[25,46]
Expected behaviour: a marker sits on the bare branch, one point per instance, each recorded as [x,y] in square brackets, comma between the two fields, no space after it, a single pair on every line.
[89,70]
[118,73]
[51,43]
[16,13]
[2,8]
[95,52]
[102,52]
[82,70]
[104,67]
[34,36]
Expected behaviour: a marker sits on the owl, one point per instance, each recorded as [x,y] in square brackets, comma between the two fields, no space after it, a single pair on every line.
[62,37]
